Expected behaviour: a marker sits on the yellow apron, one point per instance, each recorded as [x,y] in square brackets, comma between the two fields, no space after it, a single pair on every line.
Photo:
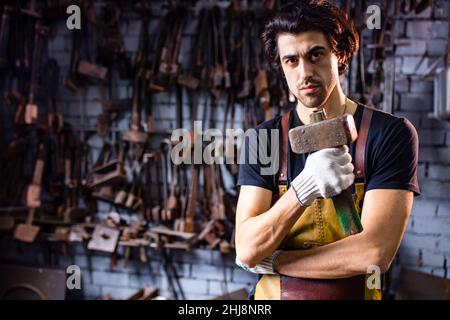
[318,225]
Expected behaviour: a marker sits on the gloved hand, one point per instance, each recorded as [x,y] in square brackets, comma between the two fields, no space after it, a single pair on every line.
[327,173]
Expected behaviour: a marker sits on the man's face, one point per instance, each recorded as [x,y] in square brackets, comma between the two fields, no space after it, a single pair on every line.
[309,65]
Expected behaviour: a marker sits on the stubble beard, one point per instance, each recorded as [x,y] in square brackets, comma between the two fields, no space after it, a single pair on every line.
[313,100]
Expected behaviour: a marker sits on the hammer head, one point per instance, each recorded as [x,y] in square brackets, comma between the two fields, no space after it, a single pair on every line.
[330,133]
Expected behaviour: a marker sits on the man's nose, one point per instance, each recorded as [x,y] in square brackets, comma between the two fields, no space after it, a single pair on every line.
[304,69]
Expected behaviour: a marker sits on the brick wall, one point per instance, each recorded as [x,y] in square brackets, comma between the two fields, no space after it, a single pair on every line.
[425,246]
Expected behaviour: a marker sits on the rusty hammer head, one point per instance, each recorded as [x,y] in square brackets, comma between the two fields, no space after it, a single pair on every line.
[330,133]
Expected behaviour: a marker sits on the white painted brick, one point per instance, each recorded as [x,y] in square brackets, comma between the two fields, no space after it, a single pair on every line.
[435,189]
[444,245]
[431,137]
[440,29]
[439,172]
[202,271]
[436,155]
[429,122]
[242,276]
[402,85]
[421,171]
[164,112]
[410,65]
[100,263]
[415,47]
[139,281]
[195,296]
[436,47]
[430,258]
[399,27]
[86,276]
[433,258]
[424,67]
[418,86]
[217,288]
[416,102]
[427,226]
[92,291]
[427,29]
[444,209]
[217,258]
[193,256]
[424,208]
[194,286]
[419,241]
[110,278]
[163,98]
[419,29]
[81,261]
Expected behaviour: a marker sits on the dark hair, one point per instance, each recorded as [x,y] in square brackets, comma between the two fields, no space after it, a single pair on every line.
[309,15]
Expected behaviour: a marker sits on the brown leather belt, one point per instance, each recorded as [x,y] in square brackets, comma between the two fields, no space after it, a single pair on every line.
[323,289]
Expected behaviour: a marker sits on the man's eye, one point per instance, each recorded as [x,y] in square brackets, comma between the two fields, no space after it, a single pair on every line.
[315,56]
[291,61]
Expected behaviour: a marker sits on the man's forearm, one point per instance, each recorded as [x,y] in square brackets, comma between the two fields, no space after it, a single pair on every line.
[259,236]
[342,259]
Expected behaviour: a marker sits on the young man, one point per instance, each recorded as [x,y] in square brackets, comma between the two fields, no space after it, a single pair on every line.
[296,244]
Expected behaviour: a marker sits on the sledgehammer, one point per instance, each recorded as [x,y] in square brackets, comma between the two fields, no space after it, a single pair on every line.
[329,133]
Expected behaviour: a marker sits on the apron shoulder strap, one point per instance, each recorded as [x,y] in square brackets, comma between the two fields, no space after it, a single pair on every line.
[284,148]
[360,151]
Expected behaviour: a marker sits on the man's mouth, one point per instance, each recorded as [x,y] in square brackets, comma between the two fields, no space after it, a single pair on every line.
[309,89]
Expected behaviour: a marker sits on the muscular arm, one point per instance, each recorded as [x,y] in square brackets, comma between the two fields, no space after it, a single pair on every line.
[384,218]
[260,228]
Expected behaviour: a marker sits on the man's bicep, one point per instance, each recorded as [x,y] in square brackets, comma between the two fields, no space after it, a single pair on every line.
[252,202]
[385,216]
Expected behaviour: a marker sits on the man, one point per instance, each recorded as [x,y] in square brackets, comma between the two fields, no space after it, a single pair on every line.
[295,243]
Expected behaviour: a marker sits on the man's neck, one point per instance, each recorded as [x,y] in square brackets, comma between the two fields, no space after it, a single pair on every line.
[336,105]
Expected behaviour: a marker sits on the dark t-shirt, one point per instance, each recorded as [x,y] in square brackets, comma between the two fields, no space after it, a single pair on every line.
[391,154]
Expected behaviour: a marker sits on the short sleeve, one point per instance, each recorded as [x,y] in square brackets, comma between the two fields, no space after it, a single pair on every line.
[250,168]
[395,158]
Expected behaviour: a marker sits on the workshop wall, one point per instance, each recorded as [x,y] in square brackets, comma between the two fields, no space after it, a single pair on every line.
[202,273]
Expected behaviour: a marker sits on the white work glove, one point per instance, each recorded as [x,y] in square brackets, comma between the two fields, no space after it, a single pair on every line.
[264,267]
[327,173]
